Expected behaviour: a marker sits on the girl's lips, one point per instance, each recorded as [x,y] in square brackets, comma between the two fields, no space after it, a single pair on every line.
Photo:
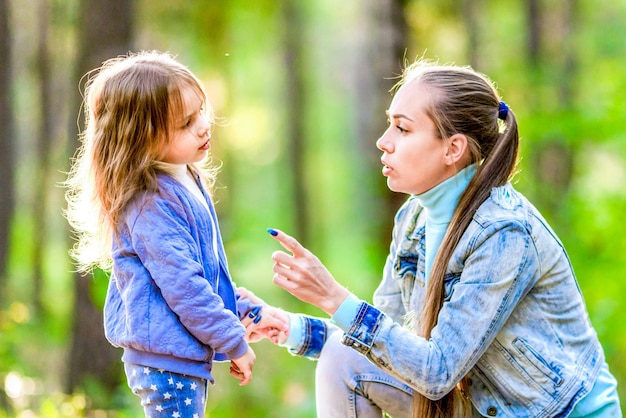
[205,146]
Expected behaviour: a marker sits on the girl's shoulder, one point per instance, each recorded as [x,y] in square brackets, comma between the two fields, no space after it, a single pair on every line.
[168,197]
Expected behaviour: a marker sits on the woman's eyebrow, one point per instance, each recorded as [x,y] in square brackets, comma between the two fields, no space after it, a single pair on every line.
[398,116]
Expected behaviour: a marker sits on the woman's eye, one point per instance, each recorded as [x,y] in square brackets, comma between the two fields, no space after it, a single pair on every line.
[397,126]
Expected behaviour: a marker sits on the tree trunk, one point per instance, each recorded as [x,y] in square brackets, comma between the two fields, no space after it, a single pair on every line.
[534,32]
[391,17]
[471,13]
[105,28]
[553,157]
[42,149]
[296,139]
[7,133]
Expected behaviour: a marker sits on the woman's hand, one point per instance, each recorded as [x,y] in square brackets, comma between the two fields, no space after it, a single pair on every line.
[304,276]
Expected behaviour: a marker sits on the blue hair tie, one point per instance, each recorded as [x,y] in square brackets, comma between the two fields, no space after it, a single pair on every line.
[503,111]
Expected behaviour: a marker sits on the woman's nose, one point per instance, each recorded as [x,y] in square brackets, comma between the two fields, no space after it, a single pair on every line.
[383,142]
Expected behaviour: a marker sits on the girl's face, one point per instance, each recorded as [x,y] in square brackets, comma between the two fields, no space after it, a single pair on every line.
[414,158]
[191,132]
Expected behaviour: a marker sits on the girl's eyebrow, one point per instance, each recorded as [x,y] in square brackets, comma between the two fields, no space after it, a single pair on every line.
[190,114]
[398,116]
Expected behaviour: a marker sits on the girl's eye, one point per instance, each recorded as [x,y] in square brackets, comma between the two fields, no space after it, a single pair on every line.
[190,121]
[187,125]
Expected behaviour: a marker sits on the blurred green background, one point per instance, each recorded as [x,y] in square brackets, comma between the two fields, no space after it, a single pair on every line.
[301,87]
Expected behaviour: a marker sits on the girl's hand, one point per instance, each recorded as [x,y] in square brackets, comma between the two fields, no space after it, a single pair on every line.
[266,322]
[304,276]
[241,368]
[245,293]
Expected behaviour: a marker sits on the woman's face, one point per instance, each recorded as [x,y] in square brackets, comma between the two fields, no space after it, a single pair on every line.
[414,158]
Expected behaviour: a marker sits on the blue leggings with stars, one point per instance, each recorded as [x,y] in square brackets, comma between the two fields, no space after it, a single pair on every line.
[167,394]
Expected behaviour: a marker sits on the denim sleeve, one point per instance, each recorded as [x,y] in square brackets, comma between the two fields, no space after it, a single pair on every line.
[484,297]
[363,329]
[307,336]
[473,313]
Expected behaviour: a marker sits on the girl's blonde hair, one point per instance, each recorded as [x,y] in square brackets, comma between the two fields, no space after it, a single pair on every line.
[130,105]
[464,102]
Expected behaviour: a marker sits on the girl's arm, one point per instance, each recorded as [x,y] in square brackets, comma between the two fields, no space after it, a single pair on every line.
[162,238]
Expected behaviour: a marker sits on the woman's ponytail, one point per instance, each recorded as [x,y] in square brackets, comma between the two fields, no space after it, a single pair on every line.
[466,103]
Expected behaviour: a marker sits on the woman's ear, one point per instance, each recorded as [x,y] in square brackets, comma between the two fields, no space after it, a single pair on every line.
[457,149]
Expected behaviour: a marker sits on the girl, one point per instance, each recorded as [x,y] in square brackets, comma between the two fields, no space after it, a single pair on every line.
[479,312]
[138,200]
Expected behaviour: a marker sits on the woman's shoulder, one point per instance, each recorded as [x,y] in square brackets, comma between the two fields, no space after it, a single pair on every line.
[408,213]
[504,204]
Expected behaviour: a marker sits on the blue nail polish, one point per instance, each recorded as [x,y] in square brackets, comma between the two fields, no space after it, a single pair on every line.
[257,319]
[272,232]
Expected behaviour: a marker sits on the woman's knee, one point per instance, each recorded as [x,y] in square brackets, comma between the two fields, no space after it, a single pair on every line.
[336,361]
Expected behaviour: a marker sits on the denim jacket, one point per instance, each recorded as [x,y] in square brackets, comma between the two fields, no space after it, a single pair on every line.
[513,320]
[171,303]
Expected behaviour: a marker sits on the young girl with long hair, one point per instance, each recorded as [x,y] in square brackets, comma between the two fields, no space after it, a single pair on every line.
[478,312]
[138,199]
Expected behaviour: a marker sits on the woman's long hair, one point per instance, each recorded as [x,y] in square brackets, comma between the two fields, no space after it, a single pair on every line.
[130,107]
[464,102]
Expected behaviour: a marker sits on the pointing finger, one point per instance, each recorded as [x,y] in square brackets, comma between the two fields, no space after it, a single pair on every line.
[291,244]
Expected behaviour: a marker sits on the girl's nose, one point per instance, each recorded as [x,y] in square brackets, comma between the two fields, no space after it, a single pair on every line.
[205,128]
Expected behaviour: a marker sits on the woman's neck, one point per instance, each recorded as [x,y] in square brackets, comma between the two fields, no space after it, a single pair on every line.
[441,201]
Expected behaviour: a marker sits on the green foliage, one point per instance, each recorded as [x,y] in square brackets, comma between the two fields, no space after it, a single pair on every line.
[236,49]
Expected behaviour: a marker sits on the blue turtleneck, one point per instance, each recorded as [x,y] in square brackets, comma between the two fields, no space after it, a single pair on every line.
[439,204]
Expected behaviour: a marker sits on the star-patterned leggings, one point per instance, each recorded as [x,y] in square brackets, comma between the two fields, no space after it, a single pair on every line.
[167,394]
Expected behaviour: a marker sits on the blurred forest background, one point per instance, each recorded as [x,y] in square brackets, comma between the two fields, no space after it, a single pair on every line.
[301,87]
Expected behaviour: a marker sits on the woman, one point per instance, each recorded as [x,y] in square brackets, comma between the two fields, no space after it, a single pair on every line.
[479,312]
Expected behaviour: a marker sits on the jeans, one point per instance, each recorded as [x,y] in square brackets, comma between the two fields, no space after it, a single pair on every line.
[349,386]
[166,394]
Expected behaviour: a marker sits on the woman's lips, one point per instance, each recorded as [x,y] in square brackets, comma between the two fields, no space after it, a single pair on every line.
[386,169]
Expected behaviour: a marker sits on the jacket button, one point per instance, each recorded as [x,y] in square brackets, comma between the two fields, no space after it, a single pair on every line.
[492,411]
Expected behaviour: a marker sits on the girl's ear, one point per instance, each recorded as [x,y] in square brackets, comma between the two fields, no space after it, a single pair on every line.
[457,149]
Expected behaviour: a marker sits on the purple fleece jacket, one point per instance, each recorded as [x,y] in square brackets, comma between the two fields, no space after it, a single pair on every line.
[170,303]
